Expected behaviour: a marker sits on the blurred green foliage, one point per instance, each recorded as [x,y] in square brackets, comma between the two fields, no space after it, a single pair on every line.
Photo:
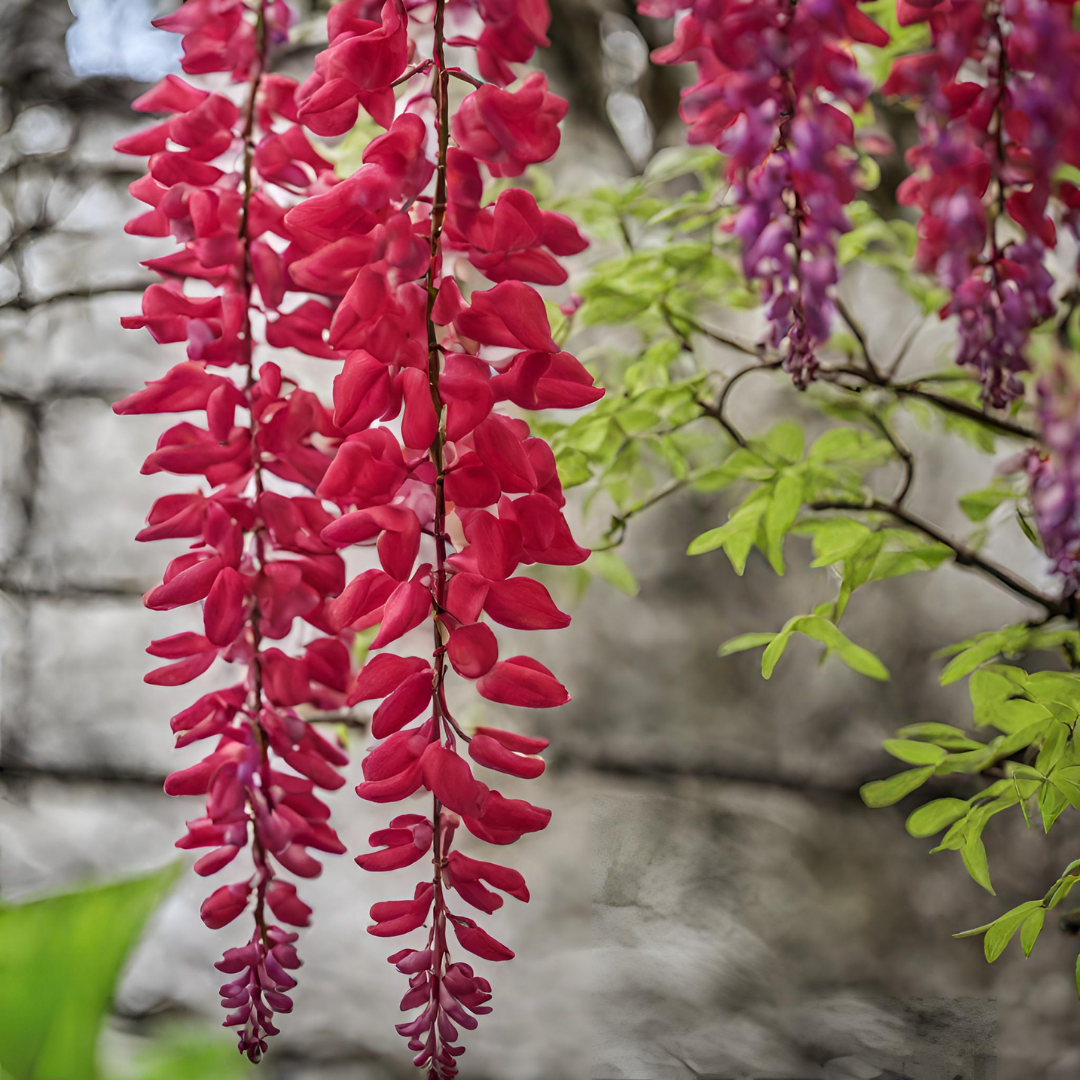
[61,958]
[664,325]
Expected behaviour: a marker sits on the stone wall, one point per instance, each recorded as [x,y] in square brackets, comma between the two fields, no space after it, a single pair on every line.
[711,899]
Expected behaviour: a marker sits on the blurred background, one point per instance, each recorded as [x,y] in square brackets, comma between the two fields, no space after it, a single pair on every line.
[711,900]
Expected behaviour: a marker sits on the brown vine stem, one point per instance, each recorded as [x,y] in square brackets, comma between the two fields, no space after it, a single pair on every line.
[860,337]
[1002,425]
[441,92]
[907,459]
[617,530]
[717,410]
[871,377]
[963,555]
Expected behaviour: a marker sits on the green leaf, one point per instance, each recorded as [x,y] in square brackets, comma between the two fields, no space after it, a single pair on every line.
[1059,687]
[952,738]
[362,643]
[743,464]
[1053,750]
[744,642]
[974,931]
[1028,529]
[835,539]
[970,659]
[675,161]
[845,445]
[1031,928]
[736,537]
[60,959]
[973,853]
[979,505]
[1017,714]
[712,539]
[1068,789]
[914,753]
[879,793]
[610,567]
[1061,890]
[890,564]
[783,508]
[186,1053]
[829,634]
[1003,928]
[786,441]
[934,816]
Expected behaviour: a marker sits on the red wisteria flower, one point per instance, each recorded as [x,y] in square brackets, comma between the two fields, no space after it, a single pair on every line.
[220,178]
[454,495]
[412,458]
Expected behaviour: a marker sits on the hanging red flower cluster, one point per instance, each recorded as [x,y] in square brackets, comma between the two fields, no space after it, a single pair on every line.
[464,495]
[768,74]
[984,170]
[413,457]
[257,563]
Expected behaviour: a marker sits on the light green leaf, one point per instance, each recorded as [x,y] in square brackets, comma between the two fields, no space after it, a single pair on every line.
[573,467]
[712,539]
[783,508]
[1003,928]
[786,441]
[836,539]
[1062,889]
[60,959]
[1052,804]
[675,161]
[934,816]
[975,931]
[973,853]
[362,643]
[187,1053]
[744,642]
[914,753]
[737,536]
[979,505]
[970,659]
[879,793]
[890,564]
[845,445]
[820,629]
[1031,928]
[952,738]
[743,464]
[829,634]
[610,567]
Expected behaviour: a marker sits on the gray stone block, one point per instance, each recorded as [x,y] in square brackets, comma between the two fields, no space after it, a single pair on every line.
[91,500]
[77,345]
[59,262]
[80,703]
[743,931]
[16,447]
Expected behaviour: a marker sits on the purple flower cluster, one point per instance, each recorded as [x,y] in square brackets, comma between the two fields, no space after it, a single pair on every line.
[768,71]
[1055,475]
[988,151]
[259,989]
